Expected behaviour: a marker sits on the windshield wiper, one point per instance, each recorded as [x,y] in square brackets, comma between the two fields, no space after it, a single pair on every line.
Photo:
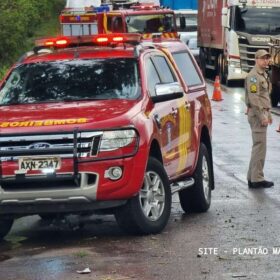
[84,99]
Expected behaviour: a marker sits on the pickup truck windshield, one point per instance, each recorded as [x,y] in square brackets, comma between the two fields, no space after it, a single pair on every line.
[57,81]
[150,23]
[257,20]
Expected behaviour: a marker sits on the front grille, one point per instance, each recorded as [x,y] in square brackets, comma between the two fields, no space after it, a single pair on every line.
[247,53]
[65,145]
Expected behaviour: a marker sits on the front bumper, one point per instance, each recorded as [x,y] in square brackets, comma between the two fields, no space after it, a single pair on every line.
[87,189]
[81,182]
[56,206]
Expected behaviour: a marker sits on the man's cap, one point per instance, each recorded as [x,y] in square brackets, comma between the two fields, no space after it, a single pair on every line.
[261,53]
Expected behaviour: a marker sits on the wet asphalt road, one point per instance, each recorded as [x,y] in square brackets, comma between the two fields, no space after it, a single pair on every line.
[235,239]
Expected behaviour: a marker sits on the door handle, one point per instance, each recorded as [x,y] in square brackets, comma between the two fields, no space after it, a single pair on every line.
[157,120]
[174,111]
[187,105]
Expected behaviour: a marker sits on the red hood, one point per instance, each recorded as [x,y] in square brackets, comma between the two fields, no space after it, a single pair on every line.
[66,116]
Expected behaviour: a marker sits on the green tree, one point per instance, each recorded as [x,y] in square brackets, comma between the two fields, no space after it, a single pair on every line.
[21,21]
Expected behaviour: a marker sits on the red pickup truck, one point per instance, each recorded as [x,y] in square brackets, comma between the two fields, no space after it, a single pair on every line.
[105,123]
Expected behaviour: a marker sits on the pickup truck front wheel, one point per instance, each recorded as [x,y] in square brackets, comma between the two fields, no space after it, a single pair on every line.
[5,226]
[198,197]
[149,211]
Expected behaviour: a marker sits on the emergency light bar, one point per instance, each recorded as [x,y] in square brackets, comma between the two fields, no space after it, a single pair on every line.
[85,18]
[88,9]
[101,39]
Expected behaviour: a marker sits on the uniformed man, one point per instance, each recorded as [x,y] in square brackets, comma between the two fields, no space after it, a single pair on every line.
[257,98]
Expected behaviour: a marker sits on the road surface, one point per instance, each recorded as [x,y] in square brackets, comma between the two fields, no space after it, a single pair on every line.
[238,238]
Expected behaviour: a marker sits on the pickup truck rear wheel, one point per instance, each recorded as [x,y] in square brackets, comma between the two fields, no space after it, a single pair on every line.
[5,226]
[149,211]
[198,197]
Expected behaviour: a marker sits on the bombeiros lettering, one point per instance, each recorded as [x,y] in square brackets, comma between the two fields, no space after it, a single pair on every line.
[43,123]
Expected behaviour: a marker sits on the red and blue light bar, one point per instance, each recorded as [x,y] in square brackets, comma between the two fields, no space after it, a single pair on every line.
[101,39]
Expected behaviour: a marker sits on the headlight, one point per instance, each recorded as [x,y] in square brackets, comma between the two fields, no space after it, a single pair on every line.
[113,140]
[235,64]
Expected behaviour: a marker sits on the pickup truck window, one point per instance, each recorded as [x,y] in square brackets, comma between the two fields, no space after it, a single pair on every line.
[152,77]
[114,24]
[56,81]
[187,69]
[164,70]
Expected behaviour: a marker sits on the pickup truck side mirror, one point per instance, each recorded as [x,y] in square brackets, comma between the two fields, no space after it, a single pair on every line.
[165,92]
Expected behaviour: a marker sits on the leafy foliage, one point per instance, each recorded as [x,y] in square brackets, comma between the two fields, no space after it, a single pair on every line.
[20,21]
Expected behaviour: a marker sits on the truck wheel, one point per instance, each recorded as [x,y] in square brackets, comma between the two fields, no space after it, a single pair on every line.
[5,226]
[149,211]
[202,60]
[275,96]
[198,197]
[222,69]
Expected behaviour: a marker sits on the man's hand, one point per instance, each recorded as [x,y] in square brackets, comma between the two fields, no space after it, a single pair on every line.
[265,122]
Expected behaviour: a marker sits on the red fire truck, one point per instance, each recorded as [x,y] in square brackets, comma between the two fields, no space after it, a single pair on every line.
[107,123]
[147,19]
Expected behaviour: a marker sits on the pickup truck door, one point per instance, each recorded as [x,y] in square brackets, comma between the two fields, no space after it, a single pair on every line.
[167,114]
[197,100]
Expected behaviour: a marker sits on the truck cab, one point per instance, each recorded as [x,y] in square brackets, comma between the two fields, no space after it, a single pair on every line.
[146,18]
[230,32]
[143,18]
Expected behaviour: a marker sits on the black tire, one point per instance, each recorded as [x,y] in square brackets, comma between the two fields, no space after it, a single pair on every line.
[5,226]
[198,197]
[202,59]
[149,211]
[222,69]
[275,96]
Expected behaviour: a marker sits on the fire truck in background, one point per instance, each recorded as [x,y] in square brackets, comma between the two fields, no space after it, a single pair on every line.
[275,70]
[145,18]
[231,31]
[82,17]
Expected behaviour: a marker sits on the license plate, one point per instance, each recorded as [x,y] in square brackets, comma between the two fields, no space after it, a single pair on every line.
[39,163]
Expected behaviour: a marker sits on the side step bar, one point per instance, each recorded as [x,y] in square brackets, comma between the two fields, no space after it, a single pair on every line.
[181,185]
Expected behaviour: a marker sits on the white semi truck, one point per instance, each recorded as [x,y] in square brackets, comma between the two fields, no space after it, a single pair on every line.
[231,31]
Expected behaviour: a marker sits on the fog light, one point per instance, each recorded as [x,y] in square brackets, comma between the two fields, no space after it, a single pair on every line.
[113,173]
